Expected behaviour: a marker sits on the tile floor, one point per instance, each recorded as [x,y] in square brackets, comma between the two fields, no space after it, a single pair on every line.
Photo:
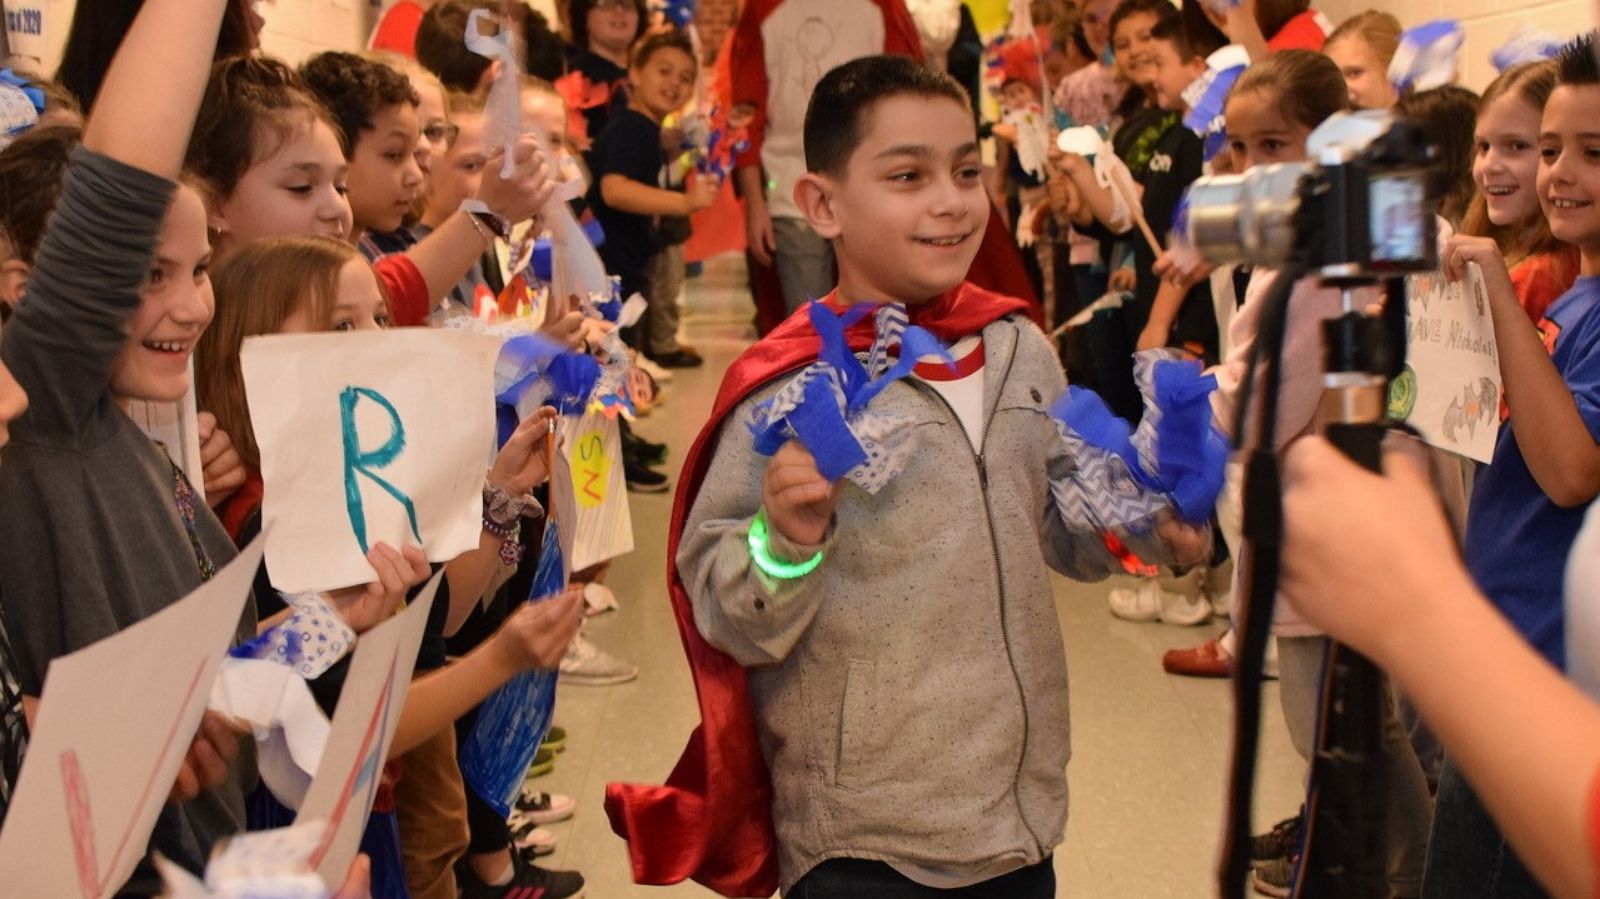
[1150,750]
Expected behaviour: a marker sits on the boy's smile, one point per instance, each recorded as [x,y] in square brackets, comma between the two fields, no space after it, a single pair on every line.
[909,212]
[1569,169]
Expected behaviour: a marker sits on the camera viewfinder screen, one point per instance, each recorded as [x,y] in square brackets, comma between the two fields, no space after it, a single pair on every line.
[1399,225]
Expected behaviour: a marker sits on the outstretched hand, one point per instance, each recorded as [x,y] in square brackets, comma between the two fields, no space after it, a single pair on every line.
[1189,544]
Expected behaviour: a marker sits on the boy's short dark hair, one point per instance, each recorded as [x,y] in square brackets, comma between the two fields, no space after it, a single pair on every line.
[841,100]
[1577,64]
[655,42]
[1126,8]
[544,53]
[1170,29]
[441,44]
[354,90]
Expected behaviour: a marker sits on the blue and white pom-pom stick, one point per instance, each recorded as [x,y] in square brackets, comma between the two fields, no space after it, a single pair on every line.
[679,12]
[1176,456]
[534,371]
[1526,44]
[825,406]
[310,640]
[1208,94]
[1427,56]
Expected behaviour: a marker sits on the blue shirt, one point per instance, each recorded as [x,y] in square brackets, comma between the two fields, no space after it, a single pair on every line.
[1517,539]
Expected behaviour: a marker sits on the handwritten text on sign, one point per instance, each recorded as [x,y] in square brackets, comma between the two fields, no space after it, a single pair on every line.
[1450,390]
[591,469]
[367,438]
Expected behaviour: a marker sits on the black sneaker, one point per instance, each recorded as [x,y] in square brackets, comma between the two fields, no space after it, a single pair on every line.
[528,881]
[643,479]
[1282,841]
[678,359]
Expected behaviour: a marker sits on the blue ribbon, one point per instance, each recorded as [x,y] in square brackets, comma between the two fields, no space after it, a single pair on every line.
[540,260]
[819,420]
[514,719]
[1191,457]
[571,377]
[1527,44]
[1205,119]
[34,94]
[1427,55]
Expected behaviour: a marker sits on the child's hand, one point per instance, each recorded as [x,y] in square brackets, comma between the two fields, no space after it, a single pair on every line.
[205,765]
[358,883]
[536,635]
[1122,279]
[365,607]
[1166,267]
[701,192]
[521,196]
[520,464]
[220,462]
[1461,249]
[1189,544]
[798,499]
[563,323]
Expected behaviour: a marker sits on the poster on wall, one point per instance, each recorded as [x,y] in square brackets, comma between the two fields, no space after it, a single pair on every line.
[36,33]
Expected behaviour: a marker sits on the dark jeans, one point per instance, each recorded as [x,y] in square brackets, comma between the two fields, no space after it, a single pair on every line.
[853,878]
[1467,856]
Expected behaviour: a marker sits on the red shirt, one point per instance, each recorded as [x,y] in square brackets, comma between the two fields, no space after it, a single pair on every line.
[1303,32]
[404,288]
[397,30]
[1540,279]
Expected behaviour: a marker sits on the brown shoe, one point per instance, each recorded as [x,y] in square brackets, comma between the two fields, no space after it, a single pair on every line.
[1208,659]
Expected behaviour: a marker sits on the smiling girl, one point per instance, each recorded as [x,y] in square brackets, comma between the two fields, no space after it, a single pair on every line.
[1505,167]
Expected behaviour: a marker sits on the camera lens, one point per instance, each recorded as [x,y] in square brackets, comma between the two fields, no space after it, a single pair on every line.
[1248,217]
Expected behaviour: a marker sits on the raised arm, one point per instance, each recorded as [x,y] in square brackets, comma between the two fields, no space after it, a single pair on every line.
[95,256]
[152,91]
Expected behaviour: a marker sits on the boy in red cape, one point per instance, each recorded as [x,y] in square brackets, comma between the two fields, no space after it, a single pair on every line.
[856,654]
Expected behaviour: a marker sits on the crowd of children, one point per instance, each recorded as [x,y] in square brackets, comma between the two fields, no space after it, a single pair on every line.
[870,574]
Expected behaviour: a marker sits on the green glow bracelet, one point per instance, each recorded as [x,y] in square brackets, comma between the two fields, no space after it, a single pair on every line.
[784,571]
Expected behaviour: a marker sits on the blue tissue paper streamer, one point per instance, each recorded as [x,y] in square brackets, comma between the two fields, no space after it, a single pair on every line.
[514,719]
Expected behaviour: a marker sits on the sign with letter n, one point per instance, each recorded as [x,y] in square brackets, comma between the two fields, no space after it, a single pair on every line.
[368,437]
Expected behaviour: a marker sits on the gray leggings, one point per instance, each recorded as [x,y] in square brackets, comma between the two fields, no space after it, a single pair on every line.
[1410,810]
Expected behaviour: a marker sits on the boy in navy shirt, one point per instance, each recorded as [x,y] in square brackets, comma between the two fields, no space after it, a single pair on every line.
[629,164]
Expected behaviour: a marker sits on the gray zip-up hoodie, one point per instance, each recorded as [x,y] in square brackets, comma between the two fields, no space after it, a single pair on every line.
[911,693]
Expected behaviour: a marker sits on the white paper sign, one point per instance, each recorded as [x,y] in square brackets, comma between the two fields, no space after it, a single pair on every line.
[591,492]
[1450,389]
[115,721]
[363,727]
[265,863]
[36,33]
[369,437]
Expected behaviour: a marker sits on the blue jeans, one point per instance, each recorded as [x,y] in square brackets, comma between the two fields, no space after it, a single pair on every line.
[854,878]
[1467,856]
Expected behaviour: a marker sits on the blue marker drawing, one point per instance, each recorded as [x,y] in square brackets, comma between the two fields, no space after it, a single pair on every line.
[357,461]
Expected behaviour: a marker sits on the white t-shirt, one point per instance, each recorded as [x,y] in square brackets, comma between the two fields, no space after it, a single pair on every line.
[962,388]
[802,40]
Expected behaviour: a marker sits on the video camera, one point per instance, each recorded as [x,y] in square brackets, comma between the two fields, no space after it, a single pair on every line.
[1361,212]
[1368,198]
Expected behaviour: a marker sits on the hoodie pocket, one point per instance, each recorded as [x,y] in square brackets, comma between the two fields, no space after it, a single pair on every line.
[858,726]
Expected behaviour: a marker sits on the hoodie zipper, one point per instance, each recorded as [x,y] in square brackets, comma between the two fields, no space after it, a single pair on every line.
[982,465]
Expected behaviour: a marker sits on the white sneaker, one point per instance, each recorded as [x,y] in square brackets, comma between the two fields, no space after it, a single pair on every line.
[537,806]
[586,664]
[598,598]
[662,375]
[533,838]
[1183,609]
[1141,603]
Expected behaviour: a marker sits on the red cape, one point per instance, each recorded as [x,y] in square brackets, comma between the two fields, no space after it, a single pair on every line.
[711,822]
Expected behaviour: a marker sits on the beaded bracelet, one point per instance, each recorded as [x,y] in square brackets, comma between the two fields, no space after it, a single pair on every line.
[774,567]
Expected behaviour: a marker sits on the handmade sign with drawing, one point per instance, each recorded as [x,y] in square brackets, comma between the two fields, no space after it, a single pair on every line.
[379,436]
[1450,389]
[85,805]
[364,724]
